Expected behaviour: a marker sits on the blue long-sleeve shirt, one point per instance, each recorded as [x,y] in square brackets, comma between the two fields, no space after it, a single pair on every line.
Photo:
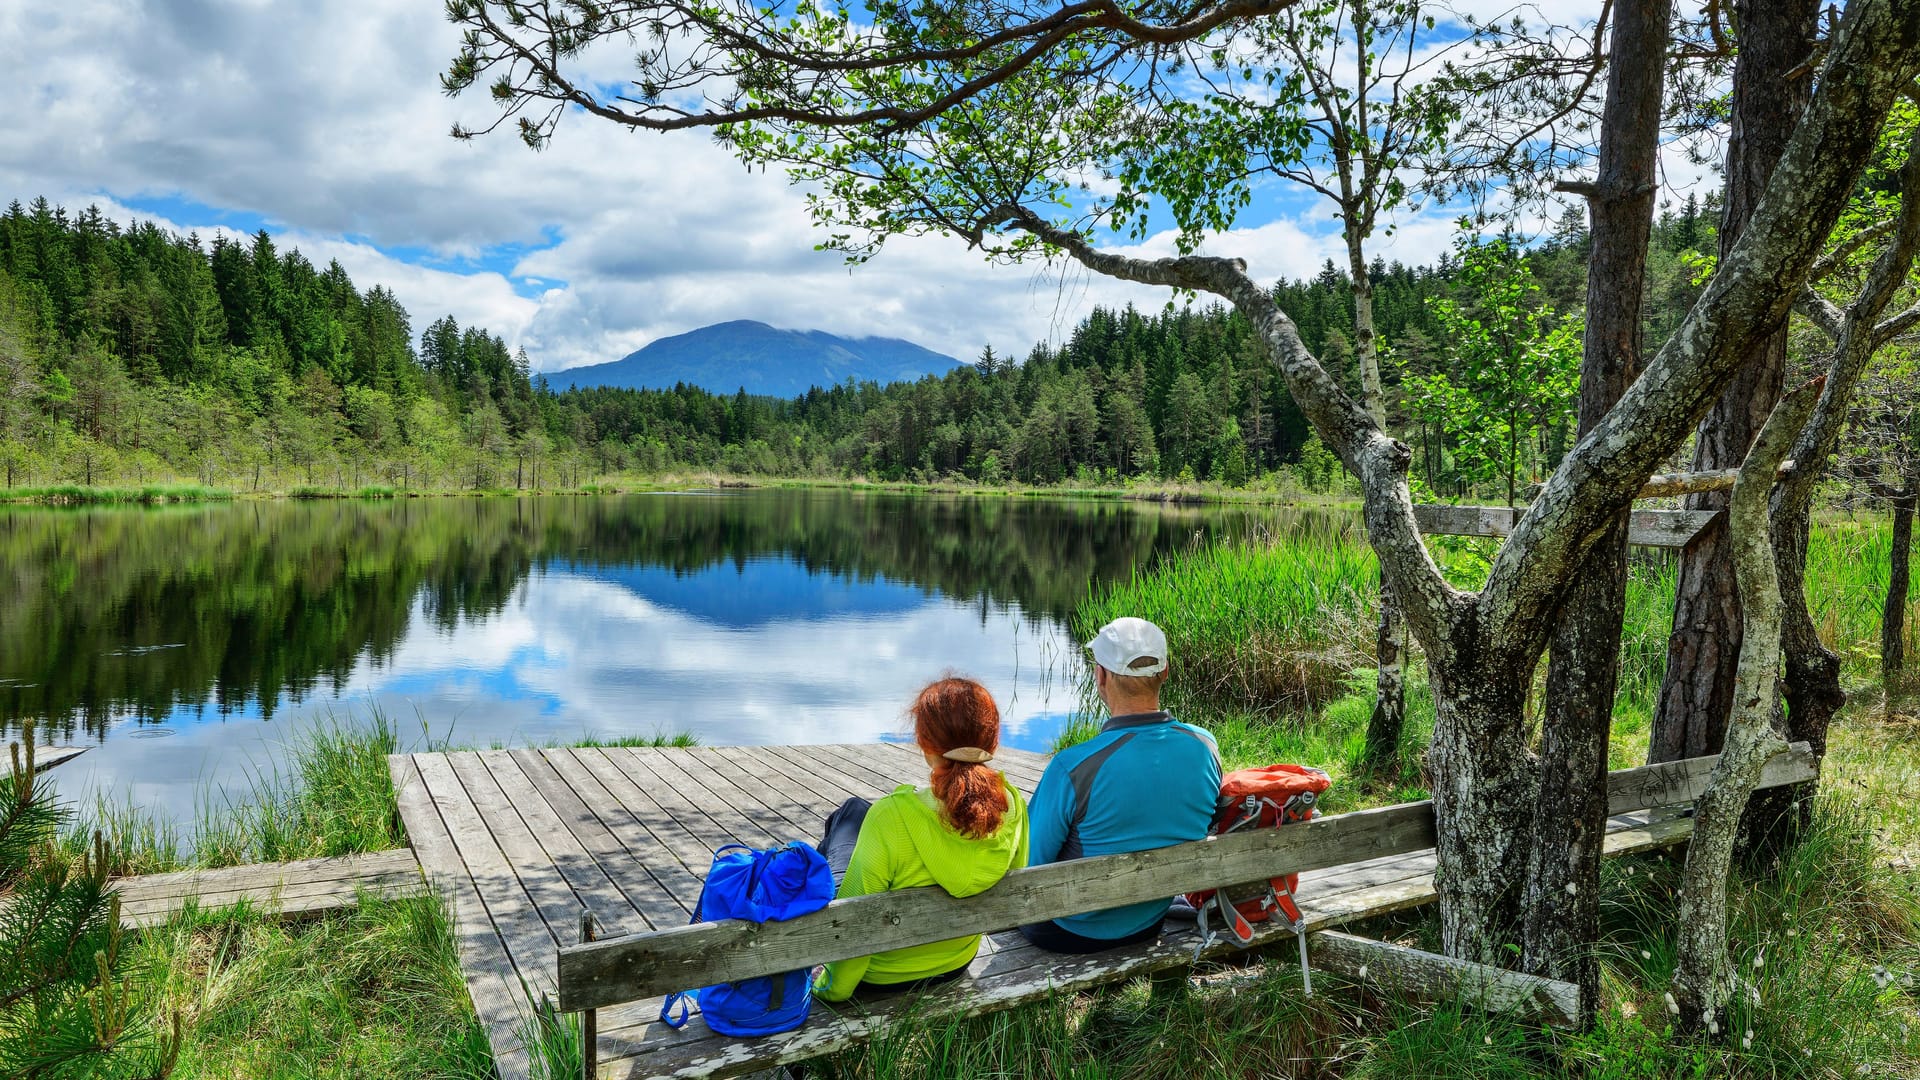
[1146,781]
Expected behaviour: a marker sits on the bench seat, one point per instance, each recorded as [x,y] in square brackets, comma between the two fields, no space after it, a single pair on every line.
[1009,972]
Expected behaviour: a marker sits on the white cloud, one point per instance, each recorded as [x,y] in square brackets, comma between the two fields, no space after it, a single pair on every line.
[327,120]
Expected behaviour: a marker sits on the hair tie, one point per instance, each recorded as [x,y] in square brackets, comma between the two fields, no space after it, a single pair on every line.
[972,755]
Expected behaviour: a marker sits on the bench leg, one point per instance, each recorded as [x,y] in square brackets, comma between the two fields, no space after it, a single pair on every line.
[589,1045]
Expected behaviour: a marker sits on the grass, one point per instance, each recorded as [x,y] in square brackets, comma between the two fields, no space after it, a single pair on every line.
[81,495]
[1270,627]
[332,796]
[375,990]
[365,491]
[372,991]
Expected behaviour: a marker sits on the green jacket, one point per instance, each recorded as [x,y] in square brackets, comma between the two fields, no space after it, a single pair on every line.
[906,842]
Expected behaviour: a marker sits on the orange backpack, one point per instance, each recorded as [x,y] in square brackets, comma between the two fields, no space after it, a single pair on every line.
[1262,798]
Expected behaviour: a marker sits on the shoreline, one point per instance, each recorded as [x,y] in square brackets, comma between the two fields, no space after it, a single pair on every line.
[74,495]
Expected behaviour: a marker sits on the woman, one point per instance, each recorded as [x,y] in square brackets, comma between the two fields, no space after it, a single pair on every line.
[962,833]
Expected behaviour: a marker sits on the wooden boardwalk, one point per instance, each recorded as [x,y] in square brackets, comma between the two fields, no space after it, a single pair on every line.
[523,842]
[289,889]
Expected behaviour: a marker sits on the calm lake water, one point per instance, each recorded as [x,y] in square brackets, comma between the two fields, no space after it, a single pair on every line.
[189,644]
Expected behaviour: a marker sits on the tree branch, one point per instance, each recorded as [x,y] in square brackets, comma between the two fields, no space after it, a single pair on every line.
[1379,461]
[1876,52]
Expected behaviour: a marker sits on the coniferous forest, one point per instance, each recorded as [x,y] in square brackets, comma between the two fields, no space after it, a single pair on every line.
[131,354]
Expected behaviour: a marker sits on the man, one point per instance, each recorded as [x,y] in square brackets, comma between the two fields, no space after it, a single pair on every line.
[1146,781]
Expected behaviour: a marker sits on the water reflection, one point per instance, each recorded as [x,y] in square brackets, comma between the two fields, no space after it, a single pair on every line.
[768,616]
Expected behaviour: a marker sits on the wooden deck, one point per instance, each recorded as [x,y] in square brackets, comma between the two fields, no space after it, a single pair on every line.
[289,889]
[522,842]
[46,757]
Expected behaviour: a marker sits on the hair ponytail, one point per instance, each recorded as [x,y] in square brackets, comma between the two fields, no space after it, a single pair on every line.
[948,715]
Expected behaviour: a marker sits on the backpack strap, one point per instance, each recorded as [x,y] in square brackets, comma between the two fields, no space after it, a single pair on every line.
[680,998]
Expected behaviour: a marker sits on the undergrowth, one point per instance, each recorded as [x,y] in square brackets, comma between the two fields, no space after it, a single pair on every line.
[374,991]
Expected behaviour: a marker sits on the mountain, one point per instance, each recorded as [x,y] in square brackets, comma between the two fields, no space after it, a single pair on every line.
[783,363]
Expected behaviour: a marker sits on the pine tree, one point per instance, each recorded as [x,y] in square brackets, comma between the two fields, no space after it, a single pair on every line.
[66,1007]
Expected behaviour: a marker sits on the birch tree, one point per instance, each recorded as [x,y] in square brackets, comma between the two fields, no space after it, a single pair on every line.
[983,121]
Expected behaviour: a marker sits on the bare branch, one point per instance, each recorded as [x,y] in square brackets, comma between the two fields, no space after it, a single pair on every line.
[1343,425]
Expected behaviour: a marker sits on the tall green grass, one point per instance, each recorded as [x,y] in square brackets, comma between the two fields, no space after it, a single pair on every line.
[1274,625]
[374,991]
[80,495]
[331,795]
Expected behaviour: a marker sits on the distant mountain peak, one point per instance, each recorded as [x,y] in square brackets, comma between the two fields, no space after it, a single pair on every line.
[762,359]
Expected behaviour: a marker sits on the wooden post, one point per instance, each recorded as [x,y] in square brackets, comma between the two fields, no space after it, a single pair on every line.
[589,1037]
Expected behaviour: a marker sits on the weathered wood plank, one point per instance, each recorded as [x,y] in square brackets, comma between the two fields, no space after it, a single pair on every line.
[1674,782]
[650,897]
[265,876]
[484,963]
[508,905]
[46,757]
[882,780]
[681,856]
[807,784]
[621,969]
[829,776]
[688,803]
[612,910]
[770,802]
[554,900]
[1418,974]
[287,890]
[1646,528]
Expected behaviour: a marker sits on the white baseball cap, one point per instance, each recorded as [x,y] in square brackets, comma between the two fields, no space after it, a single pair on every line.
[1124,641]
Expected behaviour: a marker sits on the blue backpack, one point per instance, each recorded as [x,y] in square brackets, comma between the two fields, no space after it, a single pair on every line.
[759,886]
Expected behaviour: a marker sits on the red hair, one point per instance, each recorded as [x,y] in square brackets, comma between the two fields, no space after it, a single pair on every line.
[948,715]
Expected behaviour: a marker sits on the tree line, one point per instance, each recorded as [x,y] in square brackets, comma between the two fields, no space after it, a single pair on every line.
[134,354]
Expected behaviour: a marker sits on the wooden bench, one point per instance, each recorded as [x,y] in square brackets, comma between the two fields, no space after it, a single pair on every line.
[1354,866]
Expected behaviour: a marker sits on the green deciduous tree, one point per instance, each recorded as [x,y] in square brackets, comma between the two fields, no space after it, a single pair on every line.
[1512,368]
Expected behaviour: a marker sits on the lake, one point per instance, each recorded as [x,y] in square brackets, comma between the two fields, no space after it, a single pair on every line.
[188,644]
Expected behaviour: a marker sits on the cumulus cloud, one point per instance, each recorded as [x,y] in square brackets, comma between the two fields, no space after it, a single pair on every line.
[327,122]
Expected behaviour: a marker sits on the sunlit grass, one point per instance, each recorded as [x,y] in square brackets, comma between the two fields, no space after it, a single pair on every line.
[1270,626]
[82,495]
[375,990]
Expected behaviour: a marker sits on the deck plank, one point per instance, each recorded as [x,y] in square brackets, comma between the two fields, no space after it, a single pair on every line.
[529,945]
[809,783]
[484,962]
[649,897]
[658,854]
[699,798]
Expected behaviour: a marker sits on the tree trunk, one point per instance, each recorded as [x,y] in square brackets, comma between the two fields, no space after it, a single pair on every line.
[1484,791]
[1381,758]
[1380,762]
[1893,618]
[1703,981]
[1570,815]
[1776,37]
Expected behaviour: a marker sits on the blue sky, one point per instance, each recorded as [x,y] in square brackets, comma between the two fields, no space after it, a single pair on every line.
[325,125]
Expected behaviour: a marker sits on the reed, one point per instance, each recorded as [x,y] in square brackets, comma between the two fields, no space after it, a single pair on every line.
[81,495]
[1271,626]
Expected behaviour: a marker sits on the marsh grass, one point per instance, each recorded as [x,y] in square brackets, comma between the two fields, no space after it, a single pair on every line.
[331,796]
[374,991]
[80,495]
[1275,625]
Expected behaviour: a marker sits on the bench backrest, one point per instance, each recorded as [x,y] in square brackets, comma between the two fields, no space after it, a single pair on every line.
[637,966]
